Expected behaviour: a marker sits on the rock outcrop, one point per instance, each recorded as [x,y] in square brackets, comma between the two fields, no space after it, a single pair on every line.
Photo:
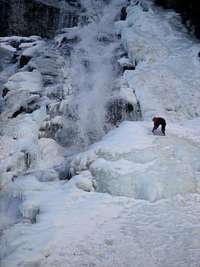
[36,17]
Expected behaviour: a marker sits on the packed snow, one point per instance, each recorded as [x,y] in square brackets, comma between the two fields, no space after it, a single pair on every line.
[133,197]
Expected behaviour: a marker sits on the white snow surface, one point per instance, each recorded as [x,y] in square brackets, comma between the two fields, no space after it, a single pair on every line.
[78,228]
[134,199]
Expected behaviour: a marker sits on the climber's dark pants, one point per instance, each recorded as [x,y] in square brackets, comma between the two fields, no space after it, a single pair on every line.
[163,128]
[163,125]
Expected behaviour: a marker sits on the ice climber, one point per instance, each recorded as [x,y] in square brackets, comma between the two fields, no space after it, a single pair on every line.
[157,122]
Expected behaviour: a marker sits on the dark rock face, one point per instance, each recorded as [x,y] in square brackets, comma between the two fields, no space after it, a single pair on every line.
[189,10]
[27,17]
[4,14]
[36,17]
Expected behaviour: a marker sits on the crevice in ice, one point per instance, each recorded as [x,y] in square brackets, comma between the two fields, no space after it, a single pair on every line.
[24,60]
[18,112]
[5,92]
[23,110]
[123,14]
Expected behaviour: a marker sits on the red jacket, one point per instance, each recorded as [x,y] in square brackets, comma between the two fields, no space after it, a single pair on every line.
[159,121]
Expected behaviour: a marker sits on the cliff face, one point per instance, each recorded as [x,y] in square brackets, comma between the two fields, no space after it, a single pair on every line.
[189,10]
[36,17]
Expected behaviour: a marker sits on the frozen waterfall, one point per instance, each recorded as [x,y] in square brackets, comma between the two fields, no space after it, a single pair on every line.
[91,53]
[83,182]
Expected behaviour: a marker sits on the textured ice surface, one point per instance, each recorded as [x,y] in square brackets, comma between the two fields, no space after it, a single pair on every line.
[26,81]
[131,162]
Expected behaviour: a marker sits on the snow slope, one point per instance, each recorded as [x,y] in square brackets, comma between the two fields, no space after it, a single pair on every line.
[134,198]
[77,228]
